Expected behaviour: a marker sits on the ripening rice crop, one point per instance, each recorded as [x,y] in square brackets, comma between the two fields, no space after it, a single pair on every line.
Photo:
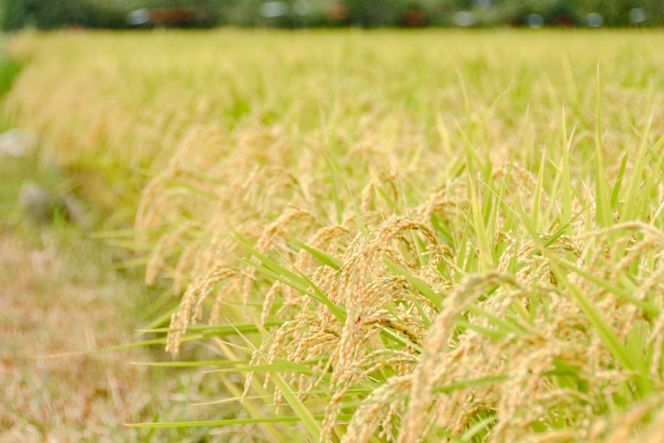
[385,236]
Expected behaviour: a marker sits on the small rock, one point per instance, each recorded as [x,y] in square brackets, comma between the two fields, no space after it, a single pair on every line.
[41,205]
[73,209]
[37,203]
[16,143]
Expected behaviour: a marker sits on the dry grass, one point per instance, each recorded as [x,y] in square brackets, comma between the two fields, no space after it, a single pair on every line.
[398,237]
[49,307]
[59,301]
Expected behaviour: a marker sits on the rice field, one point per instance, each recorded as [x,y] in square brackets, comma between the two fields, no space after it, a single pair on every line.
[380,236]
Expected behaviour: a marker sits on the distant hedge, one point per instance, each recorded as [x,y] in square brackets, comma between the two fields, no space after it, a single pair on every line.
[49,14]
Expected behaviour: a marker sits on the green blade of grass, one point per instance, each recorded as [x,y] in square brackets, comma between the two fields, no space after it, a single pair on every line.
[321,256]
[222,422]
[298,407]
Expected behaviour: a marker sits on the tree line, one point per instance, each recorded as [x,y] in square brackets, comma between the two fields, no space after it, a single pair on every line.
[49,14]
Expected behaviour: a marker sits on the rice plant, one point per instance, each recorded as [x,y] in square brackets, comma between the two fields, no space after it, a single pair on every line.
[384,236]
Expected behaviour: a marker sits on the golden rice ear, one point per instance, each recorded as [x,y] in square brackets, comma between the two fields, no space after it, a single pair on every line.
[370,413]
[415,420]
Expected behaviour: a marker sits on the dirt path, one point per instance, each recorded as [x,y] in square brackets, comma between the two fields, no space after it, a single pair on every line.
[55,300]
[61,293]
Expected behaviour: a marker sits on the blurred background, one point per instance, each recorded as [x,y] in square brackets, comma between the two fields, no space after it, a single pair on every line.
[51,14]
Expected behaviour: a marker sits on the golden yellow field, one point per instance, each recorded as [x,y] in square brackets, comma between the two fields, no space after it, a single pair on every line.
[381,236]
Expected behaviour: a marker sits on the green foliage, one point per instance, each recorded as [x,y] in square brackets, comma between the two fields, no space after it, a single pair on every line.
[51,14]
[376,13]
[58,13]
[9,70]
